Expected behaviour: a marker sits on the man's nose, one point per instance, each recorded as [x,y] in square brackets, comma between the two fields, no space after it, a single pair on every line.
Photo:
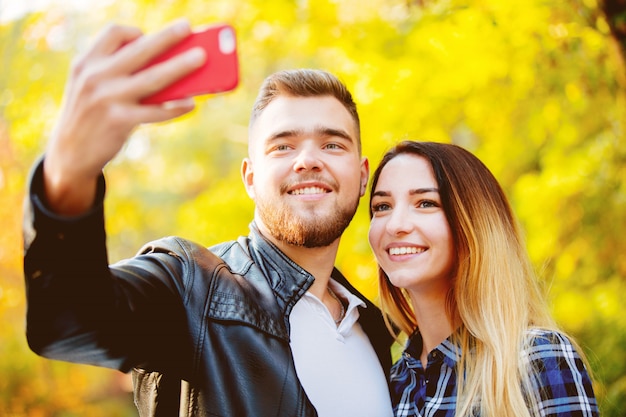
[308,160]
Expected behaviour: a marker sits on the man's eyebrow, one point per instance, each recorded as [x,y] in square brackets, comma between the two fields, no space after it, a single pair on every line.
[335,132]
[411,192]
[318,132]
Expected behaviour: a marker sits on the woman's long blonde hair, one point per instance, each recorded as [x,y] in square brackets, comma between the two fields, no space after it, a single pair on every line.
[495,295]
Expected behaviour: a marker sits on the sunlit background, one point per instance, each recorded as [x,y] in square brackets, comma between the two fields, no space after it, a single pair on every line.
[535,88]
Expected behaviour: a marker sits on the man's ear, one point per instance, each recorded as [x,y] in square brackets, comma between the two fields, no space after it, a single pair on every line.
[247,175]
[365,174]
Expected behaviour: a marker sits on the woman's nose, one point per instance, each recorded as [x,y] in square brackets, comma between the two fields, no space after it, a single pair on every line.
[398,221]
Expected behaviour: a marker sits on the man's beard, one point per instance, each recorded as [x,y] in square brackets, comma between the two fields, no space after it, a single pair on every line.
[313,231]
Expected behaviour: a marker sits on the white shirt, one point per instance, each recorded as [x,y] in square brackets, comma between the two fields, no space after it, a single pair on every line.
[337,366]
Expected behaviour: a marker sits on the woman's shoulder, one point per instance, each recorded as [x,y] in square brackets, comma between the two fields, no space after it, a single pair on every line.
[557,370]
[547,337]
[549,343]
[552,350]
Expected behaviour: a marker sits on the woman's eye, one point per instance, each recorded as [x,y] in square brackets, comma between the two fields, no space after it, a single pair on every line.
[380,207]
[427,204]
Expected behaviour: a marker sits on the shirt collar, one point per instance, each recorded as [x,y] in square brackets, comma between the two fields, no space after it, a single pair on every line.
[449,351]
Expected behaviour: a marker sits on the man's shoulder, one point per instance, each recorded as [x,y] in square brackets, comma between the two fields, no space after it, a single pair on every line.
[180,248]
[235,253]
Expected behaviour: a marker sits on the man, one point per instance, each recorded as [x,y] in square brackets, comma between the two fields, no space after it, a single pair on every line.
[261,326]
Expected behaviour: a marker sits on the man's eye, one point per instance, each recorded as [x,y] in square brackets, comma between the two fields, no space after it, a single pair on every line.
[333,146]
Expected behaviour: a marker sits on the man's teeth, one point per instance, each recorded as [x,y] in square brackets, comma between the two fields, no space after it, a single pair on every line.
[404,251]
[308,190]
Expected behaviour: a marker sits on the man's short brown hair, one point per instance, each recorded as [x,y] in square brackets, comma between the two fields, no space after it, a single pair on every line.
[305,83]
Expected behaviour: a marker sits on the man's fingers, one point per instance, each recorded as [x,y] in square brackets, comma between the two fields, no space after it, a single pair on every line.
[109,40]
[159,76]
[137,54]
[102,98]
[162,112]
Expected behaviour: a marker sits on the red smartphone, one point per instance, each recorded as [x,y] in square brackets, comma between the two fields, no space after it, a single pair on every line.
[219,73]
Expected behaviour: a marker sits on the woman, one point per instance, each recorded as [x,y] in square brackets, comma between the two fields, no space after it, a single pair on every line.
[455,277]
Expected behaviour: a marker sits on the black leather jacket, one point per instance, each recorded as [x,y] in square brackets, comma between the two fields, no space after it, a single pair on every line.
[206,332]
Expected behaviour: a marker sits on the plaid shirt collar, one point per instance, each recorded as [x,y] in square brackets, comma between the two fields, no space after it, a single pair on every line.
[446,351]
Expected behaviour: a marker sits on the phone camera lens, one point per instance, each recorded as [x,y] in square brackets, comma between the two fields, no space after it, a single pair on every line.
[226,39]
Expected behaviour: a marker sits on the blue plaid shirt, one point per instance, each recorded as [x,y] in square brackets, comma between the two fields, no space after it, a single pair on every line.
[562,388]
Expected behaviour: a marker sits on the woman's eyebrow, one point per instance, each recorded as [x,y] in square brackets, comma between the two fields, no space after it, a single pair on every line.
[424,190]
[415,191]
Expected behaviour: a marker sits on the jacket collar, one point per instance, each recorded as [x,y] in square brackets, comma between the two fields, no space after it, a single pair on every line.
[288,280]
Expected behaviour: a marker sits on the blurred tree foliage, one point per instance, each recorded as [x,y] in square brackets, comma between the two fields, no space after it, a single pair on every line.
[535,88]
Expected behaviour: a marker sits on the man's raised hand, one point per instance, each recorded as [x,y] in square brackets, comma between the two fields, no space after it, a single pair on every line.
[101,107]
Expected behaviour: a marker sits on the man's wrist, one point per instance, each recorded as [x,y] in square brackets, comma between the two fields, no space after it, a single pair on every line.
[61,205]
